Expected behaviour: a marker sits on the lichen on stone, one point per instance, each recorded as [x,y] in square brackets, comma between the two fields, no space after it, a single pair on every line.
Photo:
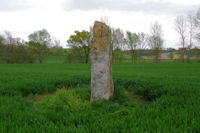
[101,38]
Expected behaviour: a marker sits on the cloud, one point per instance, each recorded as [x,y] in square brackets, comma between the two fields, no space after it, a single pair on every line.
[13,5]
[130,5]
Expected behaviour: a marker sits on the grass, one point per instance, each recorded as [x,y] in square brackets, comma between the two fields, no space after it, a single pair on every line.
[148,97]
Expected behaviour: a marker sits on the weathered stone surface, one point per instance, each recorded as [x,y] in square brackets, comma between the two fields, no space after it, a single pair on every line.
[101,57]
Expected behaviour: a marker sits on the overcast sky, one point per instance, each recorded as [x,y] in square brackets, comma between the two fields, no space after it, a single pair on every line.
[62,17]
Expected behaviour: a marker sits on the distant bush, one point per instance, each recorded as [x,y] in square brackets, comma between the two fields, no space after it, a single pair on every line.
[75,55]
[12,53]
[118,56]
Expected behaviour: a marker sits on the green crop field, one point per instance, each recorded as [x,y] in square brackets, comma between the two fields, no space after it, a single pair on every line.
[55,98]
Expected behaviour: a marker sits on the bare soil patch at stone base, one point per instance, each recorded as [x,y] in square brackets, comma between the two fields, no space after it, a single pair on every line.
[137,98]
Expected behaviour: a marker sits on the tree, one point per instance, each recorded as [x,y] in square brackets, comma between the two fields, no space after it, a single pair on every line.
[13,50]
[39,42]
[196,53]
[118,56]
[22,55]
[197,36]
[56,50]
[155,41]
[42,36]
[171,55]
[141,44]
[9,53]
[180,27]
[1,45]
[38,51]
[118,44]
[132,43]
[74,55]
[191,19]
[81,42]
[118,39]
[196,50]
[9,39]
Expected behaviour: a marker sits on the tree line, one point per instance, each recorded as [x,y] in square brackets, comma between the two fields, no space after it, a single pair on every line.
[135,44]
[132,44]
[187,27]
[41,44]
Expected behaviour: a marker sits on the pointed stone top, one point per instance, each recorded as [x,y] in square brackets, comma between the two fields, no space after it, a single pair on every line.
[101,37]
[100,23]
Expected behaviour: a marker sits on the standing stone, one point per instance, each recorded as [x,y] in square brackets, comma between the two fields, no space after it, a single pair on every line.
[101,58]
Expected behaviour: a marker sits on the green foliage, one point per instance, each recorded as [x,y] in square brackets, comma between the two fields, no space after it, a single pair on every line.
[118,56]
[79,38]
[38,50]
[170,89]
[15,50]
[136,43]
[75,55]
[182,53]
[56,51]
[155,41]
[12,53]
[42,36]
[38,44]
[80,45]
[1,46]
